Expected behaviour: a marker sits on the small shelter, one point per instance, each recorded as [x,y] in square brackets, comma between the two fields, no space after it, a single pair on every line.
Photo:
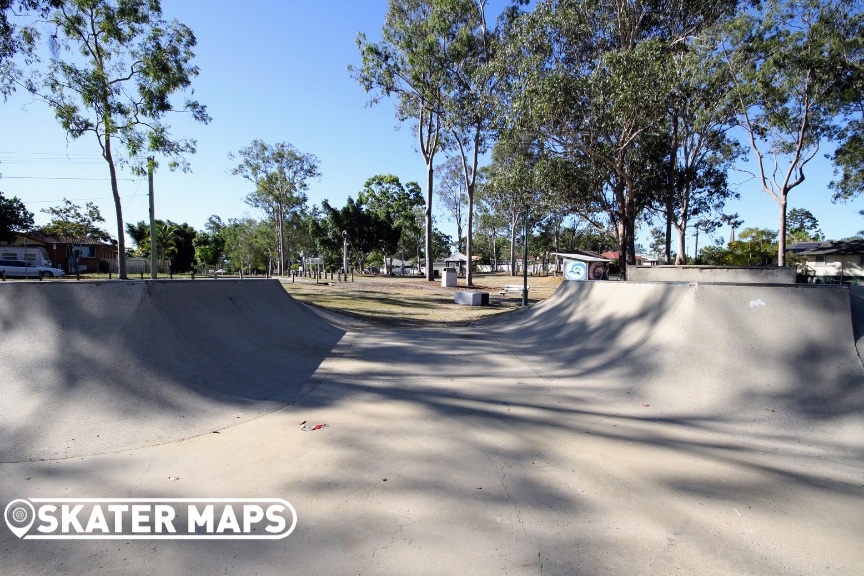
[458,260]
[583,265]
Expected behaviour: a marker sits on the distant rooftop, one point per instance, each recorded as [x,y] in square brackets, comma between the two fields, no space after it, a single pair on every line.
[828,248]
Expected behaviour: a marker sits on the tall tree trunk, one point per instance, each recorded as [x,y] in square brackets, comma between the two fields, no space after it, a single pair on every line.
[557,245]
[494,249]
[118,209]
[430,176]
[680,255]
[469,241]
[781,236]
[281,216]
[513,243]
[670,192]
[696,248]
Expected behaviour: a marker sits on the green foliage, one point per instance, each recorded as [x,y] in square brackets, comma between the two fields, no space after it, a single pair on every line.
[249,245]
[70,221]
[394,202]
[173,241]
[802,226]
[848,160]
[587,238]
[209,244]
[754,247]
[658,242]
[442,245]
[365,230]
[19,40]
[14,217]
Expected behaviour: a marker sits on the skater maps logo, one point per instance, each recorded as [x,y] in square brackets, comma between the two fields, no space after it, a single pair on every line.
[150,518]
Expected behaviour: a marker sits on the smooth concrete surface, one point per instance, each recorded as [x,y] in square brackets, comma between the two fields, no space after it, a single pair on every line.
[120,365]
[616,428]
[724,274]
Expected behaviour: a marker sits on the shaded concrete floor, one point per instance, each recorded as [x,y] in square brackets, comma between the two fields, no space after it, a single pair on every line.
[614,429]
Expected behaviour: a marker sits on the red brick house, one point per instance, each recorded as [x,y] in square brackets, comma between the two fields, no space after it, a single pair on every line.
[61,251]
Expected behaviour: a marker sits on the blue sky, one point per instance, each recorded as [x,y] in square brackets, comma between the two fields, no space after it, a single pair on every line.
[277,71]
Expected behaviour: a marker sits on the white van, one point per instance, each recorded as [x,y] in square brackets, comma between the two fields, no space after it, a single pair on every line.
[22,269]
[35,254]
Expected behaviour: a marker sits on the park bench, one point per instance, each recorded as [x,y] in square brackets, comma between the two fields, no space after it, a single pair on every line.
[512,289]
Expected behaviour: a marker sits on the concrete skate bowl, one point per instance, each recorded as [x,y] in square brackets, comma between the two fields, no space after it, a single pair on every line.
[95,367]
[751,359]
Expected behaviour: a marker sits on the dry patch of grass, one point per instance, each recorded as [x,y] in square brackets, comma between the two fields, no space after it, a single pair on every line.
[414,301]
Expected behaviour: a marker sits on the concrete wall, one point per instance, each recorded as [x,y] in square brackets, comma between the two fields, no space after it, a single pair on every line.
[723,274]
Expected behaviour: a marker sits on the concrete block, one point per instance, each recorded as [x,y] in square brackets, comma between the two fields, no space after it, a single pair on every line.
[472,298]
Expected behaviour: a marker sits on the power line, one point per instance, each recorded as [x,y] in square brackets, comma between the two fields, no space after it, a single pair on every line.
[67,178]
[73,199]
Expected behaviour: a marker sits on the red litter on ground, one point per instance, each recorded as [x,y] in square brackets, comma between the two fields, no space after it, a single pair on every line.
[645,404]
[305,428]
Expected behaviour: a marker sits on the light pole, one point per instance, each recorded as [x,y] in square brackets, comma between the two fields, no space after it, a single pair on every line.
[345,253]
[525,262]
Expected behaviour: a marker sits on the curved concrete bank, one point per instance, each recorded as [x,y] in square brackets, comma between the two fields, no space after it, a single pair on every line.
[94,367]
[749,359]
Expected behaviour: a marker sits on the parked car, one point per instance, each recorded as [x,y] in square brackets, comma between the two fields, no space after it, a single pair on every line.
[22,269]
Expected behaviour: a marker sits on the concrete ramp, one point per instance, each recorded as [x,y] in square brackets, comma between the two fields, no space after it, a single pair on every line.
[586,325]
[766,360]
[99,367]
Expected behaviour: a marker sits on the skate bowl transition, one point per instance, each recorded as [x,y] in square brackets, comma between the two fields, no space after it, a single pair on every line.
[123,365]
[614,428]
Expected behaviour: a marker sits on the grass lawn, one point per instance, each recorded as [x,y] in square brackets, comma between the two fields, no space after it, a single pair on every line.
[398,301]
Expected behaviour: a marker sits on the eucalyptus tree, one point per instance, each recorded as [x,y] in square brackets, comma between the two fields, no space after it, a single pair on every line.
[469,101]
[589,79]
[281,174]
[114,67]
[700,150]
[452,194]
[510,185]
[406,63]
[786,65]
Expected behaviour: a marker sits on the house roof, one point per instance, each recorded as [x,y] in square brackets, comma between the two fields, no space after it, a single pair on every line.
[799,247]
[837,247]
[58,240]
[582,256]
[613,255]
[459,257]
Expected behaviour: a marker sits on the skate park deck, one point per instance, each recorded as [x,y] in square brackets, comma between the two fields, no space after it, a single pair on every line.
[615,428]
